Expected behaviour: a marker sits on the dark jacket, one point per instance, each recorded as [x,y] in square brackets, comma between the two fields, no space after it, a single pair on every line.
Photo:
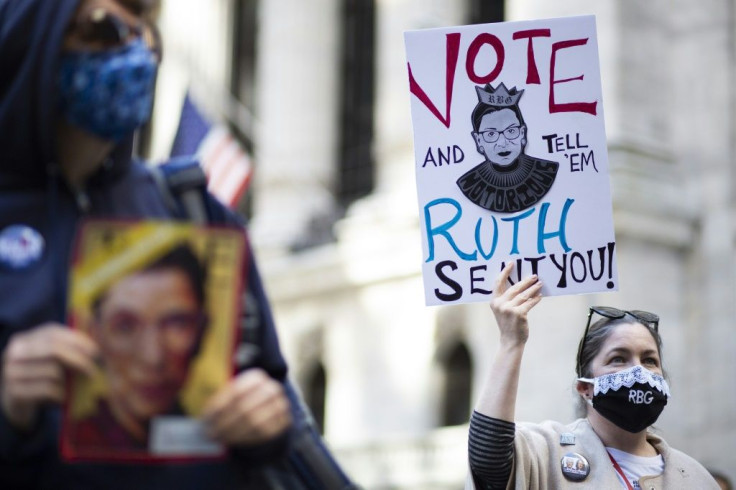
[33,195]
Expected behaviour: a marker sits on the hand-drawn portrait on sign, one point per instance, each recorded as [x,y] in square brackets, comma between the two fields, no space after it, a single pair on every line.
[508,180]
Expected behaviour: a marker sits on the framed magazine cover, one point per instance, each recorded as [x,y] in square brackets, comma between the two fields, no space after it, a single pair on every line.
[162,302]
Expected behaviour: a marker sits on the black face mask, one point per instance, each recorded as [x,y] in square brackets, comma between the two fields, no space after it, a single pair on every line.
[632,399]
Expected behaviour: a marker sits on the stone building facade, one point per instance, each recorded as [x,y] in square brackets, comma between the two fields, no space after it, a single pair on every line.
[319,92]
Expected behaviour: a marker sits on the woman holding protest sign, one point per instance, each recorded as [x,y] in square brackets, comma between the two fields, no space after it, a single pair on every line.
[621,387]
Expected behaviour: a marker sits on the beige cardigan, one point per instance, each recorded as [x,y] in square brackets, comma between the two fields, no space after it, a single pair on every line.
[538,455]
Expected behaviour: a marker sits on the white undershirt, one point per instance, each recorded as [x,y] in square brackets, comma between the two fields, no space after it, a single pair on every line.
[634,467]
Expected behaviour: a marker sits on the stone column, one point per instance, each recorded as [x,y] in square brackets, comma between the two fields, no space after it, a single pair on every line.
[297,114]
[703,127]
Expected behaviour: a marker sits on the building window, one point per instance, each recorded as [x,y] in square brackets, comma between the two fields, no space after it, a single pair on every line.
[315,391]
[486,11]
[457,386]
[355,156]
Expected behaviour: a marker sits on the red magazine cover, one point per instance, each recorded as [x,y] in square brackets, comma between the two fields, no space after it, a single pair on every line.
[161,300]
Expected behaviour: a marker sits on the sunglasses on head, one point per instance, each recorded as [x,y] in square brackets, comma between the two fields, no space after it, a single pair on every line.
[646,318]
[106,30]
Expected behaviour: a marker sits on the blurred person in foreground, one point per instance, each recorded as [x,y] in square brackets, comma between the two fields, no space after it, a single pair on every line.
[622,391]
[76,81]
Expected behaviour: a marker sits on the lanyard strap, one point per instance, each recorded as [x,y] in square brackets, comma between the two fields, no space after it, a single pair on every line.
[620,472]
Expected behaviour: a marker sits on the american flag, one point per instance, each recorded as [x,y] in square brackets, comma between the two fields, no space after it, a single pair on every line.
[227,165]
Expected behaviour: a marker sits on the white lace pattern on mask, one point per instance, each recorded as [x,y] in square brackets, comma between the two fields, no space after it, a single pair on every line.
[628,378]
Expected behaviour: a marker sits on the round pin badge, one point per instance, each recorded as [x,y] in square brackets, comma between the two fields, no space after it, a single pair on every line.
[575,467]
[20,247]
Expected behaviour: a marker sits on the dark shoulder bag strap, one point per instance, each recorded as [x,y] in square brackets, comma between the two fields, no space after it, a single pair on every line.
[182,183]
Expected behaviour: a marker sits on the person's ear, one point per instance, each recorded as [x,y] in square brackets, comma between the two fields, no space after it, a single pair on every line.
[584,389]
[476,138]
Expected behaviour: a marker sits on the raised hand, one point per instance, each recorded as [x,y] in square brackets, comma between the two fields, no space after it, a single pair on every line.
[510,305]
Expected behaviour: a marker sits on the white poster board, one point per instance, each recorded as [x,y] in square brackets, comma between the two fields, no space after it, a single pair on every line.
[511,159]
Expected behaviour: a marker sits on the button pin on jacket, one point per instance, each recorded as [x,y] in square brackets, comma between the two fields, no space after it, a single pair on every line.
[20,247]
[574,467]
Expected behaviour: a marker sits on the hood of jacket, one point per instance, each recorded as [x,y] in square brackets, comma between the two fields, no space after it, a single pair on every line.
[31,34]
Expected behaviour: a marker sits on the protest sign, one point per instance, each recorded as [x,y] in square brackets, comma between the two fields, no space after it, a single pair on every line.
[146,292]
[510,155]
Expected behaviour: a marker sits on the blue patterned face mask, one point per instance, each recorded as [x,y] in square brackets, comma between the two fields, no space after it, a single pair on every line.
[108,93]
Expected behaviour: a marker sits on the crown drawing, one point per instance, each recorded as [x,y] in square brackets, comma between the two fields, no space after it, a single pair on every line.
[500,96]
